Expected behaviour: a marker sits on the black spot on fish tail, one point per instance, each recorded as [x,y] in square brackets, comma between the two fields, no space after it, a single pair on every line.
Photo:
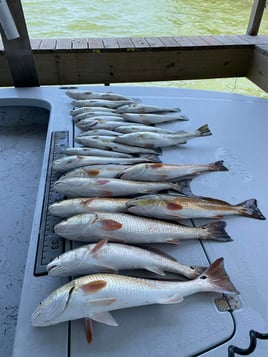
[217,279]
[249,208]
[217,166]
[216,231]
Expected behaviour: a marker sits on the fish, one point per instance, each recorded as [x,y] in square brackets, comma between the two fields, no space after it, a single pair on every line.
[86,151]
[154,118]
[103,124]
[86,124]
[131,229]
[174,208]
[73,206]
[168,172]
[145,108]
[75,161]
[98,114]
[108,171]
[126,129]
[113,104]
[109,143]
[113,257]
[113,187]
[91,109]
[152,139]
[94,296]
[95,95]
[99,132]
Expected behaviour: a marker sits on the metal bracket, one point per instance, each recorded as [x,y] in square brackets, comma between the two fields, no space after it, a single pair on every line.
[227,303]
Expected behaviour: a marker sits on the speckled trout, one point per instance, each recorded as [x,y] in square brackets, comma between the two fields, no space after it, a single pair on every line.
[126,228]
[174,208]
[112,257]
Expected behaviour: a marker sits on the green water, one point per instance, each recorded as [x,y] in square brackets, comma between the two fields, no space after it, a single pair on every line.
[119,18]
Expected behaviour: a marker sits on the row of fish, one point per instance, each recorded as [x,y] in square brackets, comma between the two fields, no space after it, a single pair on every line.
[116,188]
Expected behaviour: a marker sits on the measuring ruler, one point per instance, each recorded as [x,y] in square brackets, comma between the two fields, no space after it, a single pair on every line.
[50,245]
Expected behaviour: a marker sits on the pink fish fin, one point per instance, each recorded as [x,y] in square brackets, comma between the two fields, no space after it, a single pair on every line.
[155,270]
[98,247]
[175,299]
[114,239]
[88,330]
[92,172]
[216,279]
[104,317]
[101,302]
[110,224]
[93,286]
[108,268]
[159,252]
[173,241]
[249,208]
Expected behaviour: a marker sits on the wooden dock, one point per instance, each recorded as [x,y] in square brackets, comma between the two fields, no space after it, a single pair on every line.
[125,60]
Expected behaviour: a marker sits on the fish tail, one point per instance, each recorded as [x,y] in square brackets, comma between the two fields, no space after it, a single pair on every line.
[151,158]
[183,187]
[249,208]
[204,130]
[217,279]
[217,166]
[216,231]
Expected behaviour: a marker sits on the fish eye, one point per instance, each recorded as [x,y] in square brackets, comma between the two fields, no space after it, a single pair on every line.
[203,277]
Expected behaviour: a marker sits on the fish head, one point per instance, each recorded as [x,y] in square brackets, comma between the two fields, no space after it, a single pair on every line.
[70,262]
[79,223]
[50,310]
[141,204]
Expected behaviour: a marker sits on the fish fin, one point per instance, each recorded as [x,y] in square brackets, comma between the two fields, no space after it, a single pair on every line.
[173,241]
[102,302]
[93,286]
[88,330]
[175,299]
[249,208]
[98,247]
[217,279]
[158,251]
[108,268]
[204,130]
[104,317]
[183,186]
[216,231]
[217,166]
[155,270]
[114,239]
[110,224]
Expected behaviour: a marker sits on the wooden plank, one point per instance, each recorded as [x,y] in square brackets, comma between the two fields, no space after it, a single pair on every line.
[256,17]
[126,43]
[211,40]
[198,41]
[35,43]
[95,44]
[140,42]
[258,69]
[79,43]
[155,42]
[169,41]
[184,41]
[63,44]
[110,43]
[48,44]
[18,51]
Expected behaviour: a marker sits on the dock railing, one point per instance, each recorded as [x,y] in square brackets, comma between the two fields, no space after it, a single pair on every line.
[25,62]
